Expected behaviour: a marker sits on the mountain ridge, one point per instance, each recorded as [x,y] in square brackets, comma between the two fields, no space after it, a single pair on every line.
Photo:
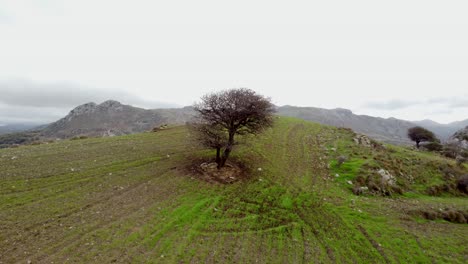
[111,118]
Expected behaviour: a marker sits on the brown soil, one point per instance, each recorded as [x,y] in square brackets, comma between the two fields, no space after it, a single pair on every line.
[205,170]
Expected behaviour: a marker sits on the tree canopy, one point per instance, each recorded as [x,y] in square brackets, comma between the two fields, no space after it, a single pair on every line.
[420,134]
[225,114]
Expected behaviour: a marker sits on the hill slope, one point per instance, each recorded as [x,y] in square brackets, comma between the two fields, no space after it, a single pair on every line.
[389,130]
[134,199]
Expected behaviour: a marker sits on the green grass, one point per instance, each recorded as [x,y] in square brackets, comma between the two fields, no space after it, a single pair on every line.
[132,199]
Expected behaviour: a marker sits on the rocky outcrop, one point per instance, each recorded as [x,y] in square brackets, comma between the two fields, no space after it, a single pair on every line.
[387,178]
[460,138]
[363,140]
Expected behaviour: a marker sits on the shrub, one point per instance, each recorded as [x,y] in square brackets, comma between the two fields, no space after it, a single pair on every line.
[433,146]
[450,150]
[79,137]
[460,160]
[430,215]
[454,216]
[462,184]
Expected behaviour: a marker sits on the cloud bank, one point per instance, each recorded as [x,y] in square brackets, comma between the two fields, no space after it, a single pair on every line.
[24,101]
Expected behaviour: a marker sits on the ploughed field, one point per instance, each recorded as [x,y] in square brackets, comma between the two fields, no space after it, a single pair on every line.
[138,199]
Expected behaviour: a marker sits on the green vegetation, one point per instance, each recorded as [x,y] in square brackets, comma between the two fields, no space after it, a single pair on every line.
[136,199]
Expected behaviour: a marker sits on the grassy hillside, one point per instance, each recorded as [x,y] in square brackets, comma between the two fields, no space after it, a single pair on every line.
[135,199]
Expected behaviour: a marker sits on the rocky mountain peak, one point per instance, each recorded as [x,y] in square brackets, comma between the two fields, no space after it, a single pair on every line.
[83,109]
[343,111]
[110,104]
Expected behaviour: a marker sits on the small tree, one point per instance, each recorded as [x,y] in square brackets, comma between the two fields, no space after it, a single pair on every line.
[420,134]
[225,114]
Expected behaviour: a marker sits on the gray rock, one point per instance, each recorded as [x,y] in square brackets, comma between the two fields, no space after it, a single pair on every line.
[387,178]
[363,140]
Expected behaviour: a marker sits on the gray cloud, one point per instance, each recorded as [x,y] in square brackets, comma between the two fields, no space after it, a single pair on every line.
[390,105]
[30,115]
[27,101]
[447,104]
[4,18]
[451,102]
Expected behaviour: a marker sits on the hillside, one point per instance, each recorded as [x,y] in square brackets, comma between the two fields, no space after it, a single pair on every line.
[138,198]
[390,130]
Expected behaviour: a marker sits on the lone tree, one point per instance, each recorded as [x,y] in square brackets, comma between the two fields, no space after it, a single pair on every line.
[223,115]
[420,134]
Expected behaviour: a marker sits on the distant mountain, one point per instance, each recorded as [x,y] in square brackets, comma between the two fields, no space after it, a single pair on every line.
[13,128]
[389,130]
[443,131]
[112,118]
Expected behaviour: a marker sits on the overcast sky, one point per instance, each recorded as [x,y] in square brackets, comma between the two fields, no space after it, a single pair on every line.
[406,59]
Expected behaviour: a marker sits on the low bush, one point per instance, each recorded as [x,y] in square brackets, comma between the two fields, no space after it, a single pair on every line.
[450,215]
[79,137]
[462,184]
[433,146]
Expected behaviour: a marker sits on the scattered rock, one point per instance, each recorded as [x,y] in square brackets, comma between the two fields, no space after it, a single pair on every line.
[341,160]
[227,174]
[350,182]
[209,166]
[259,169]
[363,140]
[14,157]
[360,190]
[387,178]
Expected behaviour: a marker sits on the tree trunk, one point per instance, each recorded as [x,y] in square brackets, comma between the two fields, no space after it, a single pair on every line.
[227,150]
[417,143]
[218,156]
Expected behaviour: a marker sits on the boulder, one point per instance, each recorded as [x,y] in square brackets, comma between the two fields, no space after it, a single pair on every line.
[363,140]
[386,177]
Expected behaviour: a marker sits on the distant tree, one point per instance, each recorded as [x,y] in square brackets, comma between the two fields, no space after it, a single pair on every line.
[419,134]
[223,115]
